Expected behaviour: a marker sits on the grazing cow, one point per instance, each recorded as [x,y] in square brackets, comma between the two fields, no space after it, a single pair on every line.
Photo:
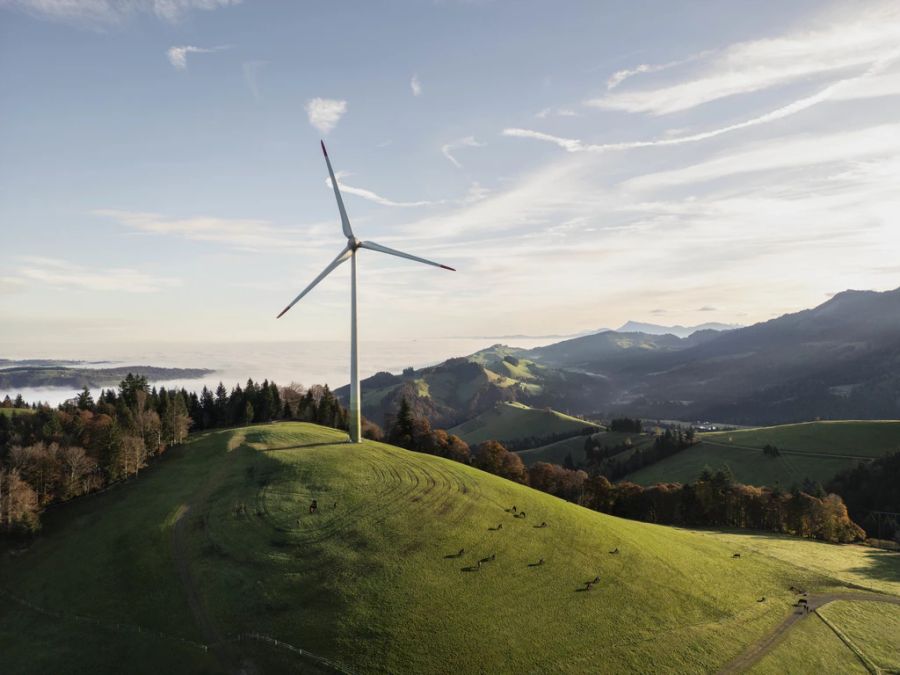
[485,560]
[543,524]
[588,585]
[500,526]
[514,508]
[314,506]
[762,599]
[334,506]
[615,551]
[802,602]
[596,579]
[461,551]
[493,556]
[541,561]
[735,555]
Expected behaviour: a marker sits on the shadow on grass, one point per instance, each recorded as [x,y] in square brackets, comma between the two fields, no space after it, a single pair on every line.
[883,566]
[304,445]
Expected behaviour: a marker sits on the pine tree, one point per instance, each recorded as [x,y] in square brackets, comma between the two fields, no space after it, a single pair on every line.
[84,400]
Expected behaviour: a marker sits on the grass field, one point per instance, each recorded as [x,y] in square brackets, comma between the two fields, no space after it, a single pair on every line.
[813,450]
[512,421]
[812,647]
[9,412]
[216,541]
[873,629]
[555,453]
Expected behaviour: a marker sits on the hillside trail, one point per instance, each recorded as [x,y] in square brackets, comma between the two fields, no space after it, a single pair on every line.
[756,651]
[225,653]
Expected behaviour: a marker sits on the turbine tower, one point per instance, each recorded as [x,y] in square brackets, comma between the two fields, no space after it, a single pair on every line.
[349,252]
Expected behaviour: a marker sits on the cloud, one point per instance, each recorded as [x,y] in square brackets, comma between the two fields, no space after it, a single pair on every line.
[790,152]
[178,55]
[246,234]
[620,76]
[841,90]
[325,113]
[467,142]
[112,11]
[65,275]
[415,85]
[707,308]
[251,70]
[658,311]
[846,43]
[374,197]
[9,285]
[557,112]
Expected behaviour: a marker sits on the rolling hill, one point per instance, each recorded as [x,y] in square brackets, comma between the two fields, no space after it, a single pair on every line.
[556,453]
[507,422]
[811,450]
[460,389]
[211,562]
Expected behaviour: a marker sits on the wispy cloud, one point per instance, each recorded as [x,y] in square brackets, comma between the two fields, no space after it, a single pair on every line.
[844,89]
[856,41]
[620,76]
[325,113]
[65,275]
[415,85]
[112,11]
[243,234]
[178,55]
[251,69]
[555,112]
[375,197]
[782,153]
[448,148]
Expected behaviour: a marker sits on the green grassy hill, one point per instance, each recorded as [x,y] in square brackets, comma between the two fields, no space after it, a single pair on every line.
[513,421]
[814,450]
[555,453]
[210,561]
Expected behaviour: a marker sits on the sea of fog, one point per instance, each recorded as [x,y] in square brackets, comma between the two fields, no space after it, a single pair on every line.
[306,363]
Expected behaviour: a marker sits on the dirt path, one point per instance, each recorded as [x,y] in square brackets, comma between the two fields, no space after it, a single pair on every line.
[759,649]
[225,653]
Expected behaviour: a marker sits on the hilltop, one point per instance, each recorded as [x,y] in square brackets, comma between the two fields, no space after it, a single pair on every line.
[215,546]
[460,389]
[509,422]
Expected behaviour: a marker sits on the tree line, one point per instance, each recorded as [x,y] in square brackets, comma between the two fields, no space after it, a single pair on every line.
[872,487]
[52,455]
[713,500]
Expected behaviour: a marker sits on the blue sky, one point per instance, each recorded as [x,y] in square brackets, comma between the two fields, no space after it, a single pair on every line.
[580,163]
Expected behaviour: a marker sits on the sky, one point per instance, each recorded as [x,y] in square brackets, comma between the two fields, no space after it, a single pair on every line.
[579,163]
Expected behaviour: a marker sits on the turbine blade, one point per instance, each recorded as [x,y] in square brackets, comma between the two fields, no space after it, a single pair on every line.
[371,245]
[342,256]
[345,221]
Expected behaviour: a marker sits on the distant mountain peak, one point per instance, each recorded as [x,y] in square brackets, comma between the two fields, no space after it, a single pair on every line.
[678,331]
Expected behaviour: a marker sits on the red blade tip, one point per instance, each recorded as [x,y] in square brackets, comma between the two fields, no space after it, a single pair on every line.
[447,268]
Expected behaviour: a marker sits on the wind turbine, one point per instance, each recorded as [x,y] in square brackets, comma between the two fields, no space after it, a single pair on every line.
[349,252]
